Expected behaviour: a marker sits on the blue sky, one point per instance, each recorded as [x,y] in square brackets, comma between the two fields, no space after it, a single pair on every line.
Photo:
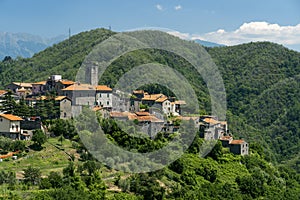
[224,21]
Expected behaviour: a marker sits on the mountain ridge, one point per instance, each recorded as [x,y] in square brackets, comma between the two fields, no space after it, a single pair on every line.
[24,44]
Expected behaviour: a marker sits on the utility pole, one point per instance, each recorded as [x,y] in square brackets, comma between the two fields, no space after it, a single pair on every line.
[69,40]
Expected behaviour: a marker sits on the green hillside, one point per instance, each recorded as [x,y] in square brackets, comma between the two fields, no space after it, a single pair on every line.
[262,86]
[64,58]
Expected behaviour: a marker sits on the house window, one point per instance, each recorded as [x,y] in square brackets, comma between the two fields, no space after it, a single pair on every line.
[12,126]
[107,95]
[65,115]
[107,102]
[1,120]
[100,95]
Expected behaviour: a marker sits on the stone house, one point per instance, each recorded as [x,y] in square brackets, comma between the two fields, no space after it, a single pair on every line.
[104,96]
[15,86]
[239,147]
[120,101]
[145,122]
[10,126]
[39,88]
[62,84]
[211,128]
[164,104]
[226,140]
[168,106]
[65,107]
[51,82]
[81,94]
[176,107]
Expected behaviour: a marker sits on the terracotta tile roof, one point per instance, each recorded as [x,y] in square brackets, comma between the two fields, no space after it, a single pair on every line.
[40,83]
[228,138]
[11,117]
[161,99]
[149,118]
[103,88]
[152,97]
[132,116]
[59,98]
[22,90]
[67,82]
[3,92]
[116,114]
[96,108]
[142,113]
[211,121]
[29,85]
[79,87]
[41,98]
[180,102]
[237,142]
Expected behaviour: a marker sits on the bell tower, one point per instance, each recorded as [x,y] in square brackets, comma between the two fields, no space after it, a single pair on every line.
[91,74]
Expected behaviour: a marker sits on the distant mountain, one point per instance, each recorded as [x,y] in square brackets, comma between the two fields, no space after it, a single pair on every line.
[23,44]
[208,44]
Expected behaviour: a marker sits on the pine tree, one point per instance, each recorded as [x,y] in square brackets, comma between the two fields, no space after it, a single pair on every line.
[9,104]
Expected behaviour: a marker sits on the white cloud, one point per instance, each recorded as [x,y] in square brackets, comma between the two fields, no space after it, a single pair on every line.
[254,31]
[185,36]
[159,7]
[249,32]
[178,7]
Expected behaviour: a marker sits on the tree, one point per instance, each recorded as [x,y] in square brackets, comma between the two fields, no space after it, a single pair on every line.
[58,127]
[61,139]
[18,145]
[32,175]
[7,59]
[216,152]
[55,179]
[22,109]
[90,166]
[39,138]
[8,104]
[69,171]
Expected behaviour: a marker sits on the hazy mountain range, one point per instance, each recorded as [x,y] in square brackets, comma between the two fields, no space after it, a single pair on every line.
[208,44]
[24,44]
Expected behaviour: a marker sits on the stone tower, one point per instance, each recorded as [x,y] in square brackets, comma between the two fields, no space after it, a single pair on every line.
[91,74]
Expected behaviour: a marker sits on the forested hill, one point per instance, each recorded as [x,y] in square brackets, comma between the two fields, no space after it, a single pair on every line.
[63,58]
[262,85]
[260,79]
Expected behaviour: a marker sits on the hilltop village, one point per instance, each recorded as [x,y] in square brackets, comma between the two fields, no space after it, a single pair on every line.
[68,97]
